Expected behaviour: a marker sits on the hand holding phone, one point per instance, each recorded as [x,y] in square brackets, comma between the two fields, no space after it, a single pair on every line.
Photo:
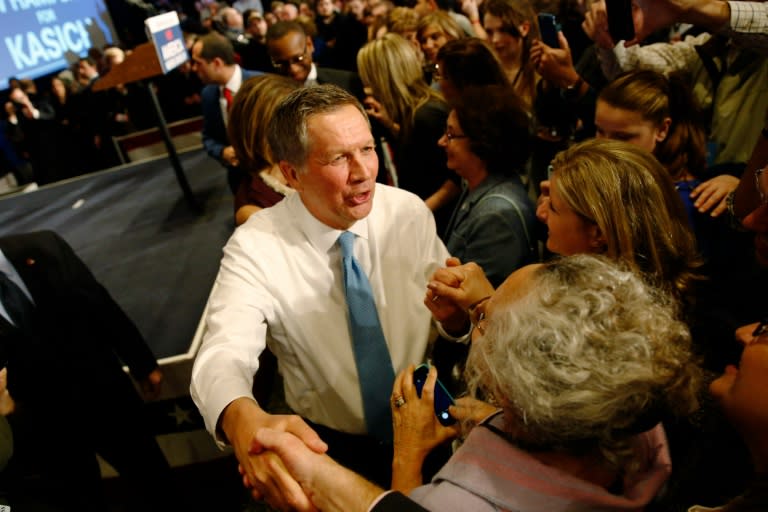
[621,27]
[549,27]
[443,399]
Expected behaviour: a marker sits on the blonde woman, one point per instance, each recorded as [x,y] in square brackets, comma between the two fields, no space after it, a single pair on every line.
[606,197]
[434,30]
[414,116]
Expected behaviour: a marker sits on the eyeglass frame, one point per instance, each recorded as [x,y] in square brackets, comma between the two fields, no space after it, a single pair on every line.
[476,315]
[450,136]
[287,63]
[761,329]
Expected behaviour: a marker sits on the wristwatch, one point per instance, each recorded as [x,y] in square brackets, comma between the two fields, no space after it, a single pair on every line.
[572,91]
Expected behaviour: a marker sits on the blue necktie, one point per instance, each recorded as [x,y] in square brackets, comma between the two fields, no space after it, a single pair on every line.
[16,303]
[374,364]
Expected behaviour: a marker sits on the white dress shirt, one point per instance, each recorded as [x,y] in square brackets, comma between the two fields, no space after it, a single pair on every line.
[280,284]
[7,268]
[312,76]
[234,83]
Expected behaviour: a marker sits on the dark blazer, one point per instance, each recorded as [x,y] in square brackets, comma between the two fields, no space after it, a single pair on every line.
[78,318]
[347,80]
[396,502]
[66,376]
[215,137]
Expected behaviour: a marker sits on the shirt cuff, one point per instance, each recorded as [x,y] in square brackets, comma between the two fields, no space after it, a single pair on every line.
[377,500]
[743,18]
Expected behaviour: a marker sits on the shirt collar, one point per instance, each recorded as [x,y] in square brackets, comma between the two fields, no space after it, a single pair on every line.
[488,183]
[234,81]
[312,76]
[321,236]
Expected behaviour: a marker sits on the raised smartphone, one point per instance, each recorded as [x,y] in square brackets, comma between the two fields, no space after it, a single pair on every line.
[443,399]
[549,27]
[620,24]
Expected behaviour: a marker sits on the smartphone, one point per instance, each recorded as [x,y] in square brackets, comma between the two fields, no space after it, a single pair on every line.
[443,399]
[620,24]
[549,27]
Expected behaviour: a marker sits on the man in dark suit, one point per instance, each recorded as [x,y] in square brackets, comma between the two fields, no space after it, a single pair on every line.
[291,49]
[64,358]
[213,58]
[33,118]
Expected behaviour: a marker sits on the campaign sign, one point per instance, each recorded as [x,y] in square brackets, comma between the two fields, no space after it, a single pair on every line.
[43,36]
[164,31]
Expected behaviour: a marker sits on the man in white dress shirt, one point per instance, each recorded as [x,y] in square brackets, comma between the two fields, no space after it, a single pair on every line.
[280,284]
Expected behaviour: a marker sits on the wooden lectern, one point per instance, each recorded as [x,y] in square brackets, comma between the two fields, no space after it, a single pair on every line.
[140,65]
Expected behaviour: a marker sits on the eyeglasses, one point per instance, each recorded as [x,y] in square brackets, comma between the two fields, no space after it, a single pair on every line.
[761,329]
[450,135]
[477,316]
[287,63]
[761,184]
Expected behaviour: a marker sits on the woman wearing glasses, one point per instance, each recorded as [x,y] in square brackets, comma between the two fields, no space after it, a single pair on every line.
[414,116]
[584,359]
[486,143]
[606,197]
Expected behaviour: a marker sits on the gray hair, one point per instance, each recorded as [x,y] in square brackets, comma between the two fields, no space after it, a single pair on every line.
[589,357]
[288,127]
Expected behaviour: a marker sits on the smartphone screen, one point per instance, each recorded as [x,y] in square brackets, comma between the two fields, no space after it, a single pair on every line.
[620,24]
[549,27]
[443,399]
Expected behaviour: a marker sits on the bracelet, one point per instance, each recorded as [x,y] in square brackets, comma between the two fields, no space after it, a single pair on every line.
[729,199]
[733,220]
[575,85]
[475,22]
[571,92]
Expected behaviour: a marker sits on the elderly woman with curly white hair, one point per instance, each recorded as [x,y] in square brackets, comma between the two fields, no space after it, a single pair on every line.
[583,359]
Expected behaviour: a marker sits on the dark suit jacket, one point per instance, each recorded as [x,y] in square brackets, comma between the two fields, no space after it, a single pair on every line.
[78,318]
[67,376]
[396,502]
[215,137]
[347,80]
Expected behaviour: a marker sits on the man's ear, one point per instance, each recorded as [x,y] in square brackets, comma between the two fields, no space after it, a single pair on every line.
[290,174]
[310,46]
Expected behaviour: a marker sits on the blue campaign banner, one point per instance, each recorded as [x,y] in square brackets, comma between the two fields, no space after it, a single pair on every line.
[165,32]
[43,36]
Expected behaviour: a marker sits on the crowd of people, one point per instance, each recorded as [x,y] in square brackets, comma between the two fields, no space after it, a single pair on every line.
[574,236]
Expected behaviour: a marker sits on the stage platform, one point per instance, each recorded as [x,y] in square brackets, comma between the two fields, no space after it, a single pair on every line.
[156,256]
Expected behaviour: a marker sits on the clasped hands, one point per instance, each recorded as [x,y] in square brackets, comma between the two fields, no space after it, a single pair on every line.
[452,290]
[285,464]
[283,461]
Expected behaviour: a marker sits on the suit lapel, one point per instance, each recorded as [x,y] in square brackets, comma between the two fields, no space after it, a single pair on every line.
[24,256]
